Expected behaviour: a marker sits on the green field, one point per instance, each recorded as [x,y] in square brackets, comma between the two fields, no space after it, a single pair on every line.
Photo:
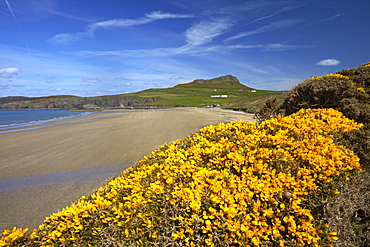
[201,97]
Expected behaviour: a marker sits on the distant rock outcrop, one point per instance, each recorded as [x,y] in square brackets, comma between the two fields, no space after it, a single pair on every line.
[218,79]
[226,81]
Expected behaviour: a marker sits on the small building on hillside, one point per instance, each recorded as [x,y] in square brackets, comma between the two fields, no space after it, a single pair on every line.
[219,96]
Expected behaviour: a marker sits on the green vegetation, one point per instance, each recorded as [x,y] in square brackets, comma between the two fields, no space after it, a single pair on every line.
[347,91]
[199,93]
[256,101]
[201,97]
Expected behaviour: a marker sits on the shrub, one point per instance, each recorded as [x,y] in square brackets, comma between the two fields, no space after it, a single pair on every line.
[360,75]
[330,91]
[236,184]
[268,111]
[346,91]
[339,92]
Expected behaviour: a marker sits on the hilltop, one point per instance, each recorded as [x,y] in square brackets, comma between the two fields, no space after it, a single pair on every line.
[222,82]
[198,93]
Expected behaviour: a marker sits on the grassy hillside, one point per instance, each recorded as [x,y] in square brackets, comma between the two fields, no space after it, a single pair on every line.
[202,93]
[200,96]
[199,93]
[255,102]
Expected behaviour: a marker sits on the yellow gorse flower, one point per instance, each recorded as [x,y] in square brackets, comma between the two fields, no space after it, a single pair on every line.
[239,183]
[361,89]
[12,236]
[329,75]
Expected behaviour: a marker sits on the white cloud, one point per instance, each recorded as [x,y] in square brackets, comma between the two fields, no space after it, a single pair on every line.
[175,77]
[190,50]
[4,86]
[325,20]
[267,47]
[153,16]
[91,80]
[203,32]
[277,12]
[280,84]
[68,38]
[329,62]
[157,52]
[158,15]
[10,10]
[270,27]
[9,72]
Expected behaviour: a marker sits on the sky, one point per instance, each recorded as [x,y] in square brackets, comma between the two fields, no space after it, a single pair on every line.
[92,48]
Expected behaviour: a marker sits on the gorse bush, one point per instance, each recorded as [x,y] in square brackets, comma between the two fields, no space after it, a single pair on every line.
[268,110]
[359,75]
[235,184]
[348,92]
[331,91]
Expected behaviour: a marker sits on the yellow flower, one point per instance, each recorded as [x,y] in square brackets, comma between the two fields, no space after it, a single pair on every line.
[361,89]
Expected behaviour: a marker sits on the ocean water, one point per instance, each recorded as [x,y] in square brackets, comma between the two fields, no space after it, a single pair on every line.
[27,118]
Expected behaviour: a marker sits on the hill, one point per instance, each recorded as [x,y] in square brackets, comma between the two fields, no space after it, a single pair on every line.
[222,82]
[199,93]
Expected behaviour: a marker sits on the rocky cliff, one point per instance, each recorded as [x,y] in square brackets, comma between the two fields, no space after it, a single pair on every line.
[227,81]
[73,102]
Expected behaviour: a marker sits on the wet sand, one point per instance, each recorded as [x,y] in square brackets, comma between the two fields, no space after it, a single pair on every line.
[86,151]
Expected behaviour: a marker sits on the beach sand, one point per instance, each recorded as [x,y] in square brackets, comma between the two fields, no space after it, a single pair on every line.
[78,147]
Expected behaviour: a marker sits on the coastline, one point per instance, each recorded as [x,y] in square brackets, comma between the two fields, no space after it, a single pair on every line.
[11,121]
[84,144]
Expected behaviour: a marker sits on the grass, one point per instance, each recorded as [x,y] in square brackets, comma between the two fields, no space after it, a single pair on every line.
[253,104]
[201,97]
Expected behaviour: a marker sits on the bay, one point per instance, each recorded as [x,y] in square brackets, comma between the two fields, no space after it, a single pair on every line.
[22,118]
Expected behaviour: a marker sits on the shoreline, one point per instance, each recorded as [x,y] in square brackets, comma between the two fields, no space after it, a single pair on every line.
[79,145]
[19,124]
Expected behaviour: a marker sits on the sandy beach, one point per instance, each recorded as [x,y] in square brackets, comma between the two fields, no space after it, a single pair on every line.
[46,168]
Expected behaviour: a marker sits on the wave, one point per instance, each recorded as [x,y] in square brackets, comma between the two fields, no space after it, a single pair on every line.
[12,127]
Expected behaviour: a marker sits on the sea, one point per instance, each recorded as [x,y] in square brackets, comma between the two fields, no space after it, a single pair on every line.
[11,121]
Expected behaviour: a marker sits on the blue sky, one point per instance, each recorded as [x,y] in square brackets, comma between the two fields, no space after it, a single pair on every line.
[91,47]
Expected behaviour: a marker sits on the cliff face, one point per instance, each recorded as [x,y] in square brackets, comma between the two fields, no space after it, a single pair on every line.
[73,102]
[218,79]
[227,81]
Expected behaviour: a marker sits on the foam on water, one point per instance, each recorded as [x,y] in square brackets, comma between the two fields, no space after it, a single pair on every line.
[11,120]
